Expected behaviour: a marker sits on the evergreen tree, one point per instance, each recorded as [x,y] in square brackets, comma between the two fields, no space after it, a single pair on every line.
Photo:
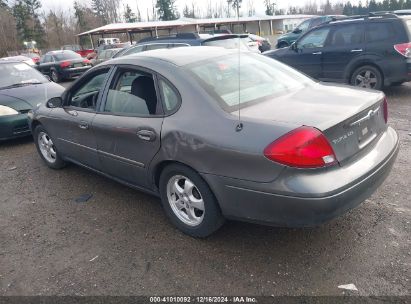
[99,8]
[166,10]
[269,7]
[236,4]
[28,22]
[129,16]
[3,3]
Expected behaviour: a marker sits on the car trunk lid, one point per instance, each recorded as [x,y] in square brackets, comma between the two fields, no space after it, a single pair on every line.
[350,118]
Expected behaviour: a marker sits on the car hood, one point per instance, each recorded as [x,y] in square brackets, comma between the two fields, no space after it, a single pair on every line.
[319,105]
[27,97]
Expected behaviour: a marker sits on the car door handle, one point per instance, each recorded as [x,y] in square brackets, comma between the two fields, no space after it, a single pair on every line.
[317,53]
[146,135]
[83,125]
[356,51]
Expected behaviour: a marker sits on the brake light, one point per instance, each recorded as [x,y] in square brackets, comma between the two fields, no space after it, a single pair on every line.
[305,147]
[385,108]
[404,49]
[259,42]
[86,61]
[65,64]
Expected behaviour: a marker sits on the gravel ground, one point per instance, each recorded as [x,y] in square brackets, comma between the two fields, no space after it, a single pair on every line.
[120,243]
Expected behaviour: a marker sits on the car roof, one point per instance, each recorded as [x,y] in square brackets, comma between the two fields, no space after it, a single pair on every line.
[181,57]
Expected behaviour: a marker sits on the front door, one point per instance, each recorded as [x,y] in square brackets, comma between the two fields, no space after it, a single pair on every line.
[73,123]
[128,126]
[346,43]
[309,51]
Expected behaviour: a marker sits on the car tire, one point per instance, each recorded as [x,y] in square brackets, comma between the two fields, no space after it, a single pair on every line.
[189,202]
[367,76]
[282,44]
[47,149]
[55,77]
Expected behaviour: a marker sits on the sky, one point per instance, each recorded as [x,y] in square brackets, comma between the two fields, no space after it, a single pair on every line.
[147,4]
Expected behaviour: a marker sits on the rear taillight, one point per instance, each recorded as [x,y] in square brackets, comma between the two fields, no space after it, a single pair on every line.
[404,49]
[305,147]
[86,61]
[385,108]
[65,64]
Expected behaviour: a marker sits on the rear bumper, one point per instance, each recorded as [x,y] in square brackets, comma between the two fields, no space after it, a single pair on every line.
[74,72]
[14,126]
[307,199]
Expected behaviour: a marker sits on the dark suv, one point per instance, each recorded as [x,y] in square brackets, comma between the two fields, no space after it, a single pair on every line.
[366,51]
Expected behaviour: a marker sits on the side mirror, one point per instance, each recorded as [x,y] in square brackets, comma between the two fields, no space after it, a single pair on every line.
[56,102]
[294,46]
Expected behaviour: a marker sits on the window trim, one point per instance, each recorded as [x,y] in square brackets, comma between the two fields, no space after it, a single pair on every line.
[110,83]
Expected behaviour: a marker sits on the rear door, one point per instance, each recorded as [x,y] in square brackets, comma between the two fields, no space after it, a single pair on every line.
[46,64]
[346,43]
[308,52]
[128,125]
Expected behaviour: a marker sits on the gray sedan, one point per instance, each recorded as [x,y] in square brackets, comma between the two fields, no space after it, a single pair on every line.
[216,140]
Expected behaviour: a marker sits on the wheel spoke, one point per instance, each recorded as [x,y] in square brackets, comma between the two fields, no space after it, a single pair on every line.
[177,188]
[368,74]
[360,78]
[188,187]
[196,203]
[190,214]
[373,80]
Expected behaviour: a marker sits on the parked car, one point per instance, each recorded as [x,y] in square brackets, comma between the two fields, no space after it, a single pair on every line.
[186,39]
[19,58]
[263,43]
[22,88]
[289,38]
[59,65]
[302,153]
[107,41]
[78,49]
[366,51]
[104,56]
[34,57]
[104,47]
[402,12]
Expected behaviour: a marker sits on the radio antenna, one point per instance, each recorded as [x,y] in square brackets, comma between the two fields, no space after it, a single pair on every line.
[239,126]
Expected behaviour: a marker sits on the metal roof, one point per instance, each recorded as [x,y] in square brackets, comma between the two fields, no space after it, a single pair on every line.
[151,25]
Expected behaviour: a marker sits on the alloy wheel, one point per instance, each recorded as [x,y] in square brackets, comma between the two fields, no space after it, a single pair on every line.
[366,79]
[54,76]
[47,148]
[185,200]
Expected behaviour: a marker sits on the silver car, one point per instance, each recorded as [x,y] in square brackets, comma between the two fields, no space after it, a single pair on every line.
[215,139]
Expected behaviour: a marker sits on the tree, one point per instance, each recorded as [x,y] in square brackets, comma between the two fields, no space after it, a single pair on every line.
[236,4]
[106,10]
[269,7]
[3,4]
[129,16]
[8,32]
[28,22]
[166,10]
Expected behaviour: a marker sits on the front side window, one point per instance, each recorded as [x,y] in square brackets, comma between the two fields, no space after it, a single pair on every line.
[256,79]
[315,39]
[132,93]
[47,59]
[347,35]
[87,94]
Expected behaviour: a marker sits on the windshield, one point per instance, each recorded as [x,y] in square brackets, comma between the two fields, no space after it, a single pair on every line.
[228,43]
[303,26]
[261,79]
[66,55]
[16,74]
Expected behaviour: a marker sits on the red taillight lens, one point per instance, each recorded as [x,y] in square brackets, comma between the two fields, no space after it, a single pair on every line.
[305,147]
[404,49]
[385,108]
[86,61]
[65,64]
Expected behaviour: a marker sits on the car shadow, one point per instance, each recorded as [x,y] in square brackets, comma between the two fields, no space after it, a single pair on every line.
[16,142]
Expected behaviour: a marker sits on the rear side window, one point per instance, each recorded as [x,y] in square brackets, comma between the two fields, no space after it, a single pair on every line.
[156,46]
[380,32]
[170,97]
[134,50]
[346,35]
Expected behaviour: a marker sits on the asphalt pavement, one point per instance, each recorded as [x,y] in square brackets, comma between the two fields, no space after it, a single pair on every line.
[119,242]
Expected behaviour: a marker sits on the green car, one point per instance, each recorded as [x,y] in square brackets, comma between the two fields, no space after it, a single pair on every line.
[22,88]
[287,39]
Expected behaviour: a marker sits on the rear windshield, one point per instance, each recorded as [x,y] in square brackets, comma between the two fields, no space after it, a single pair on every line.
[247,80]
[66,55]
